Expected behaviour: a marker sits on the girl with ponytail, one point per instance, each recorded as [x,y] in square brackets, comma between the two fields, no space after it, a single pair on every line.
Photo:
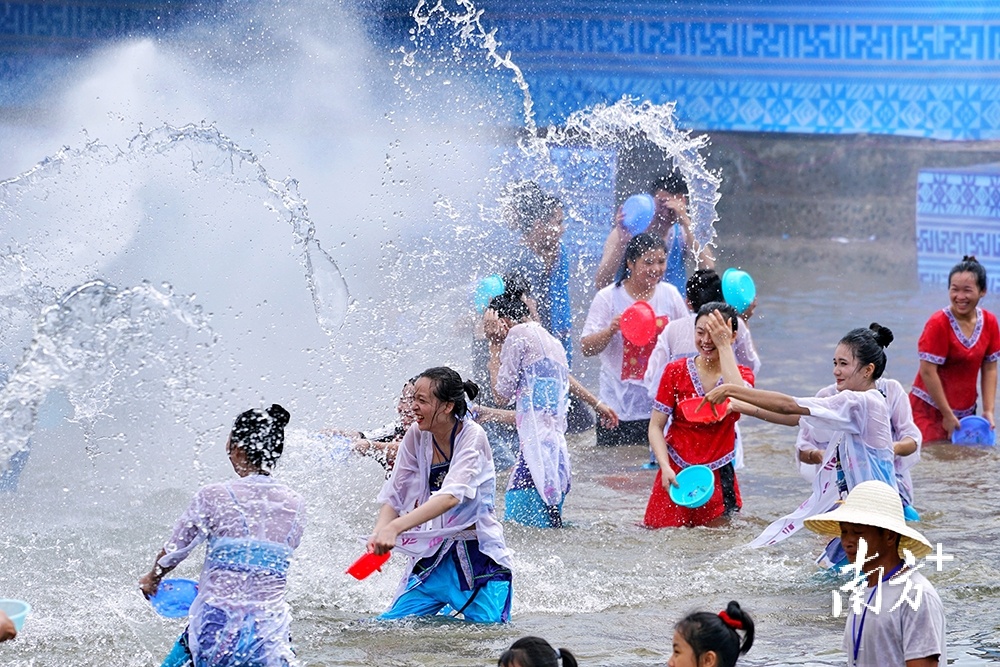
[855,419]
[252,525]
[535,652]
[703,639]
[437,508]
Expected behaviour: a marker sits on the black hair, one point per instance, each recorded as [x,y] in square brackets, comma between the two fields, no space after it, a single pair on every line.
[638,246]
[727,312]
[535,652]
[672,183]
[971,264]
[705,632]
[511,303]
[526,204]
[448,387]
[868,346]
[261,434]
[704,286]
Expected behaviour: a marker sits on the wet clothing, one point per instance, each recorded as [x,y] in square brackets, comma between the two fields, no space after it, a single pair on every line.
[857,425]
[676,273]
[240,616]
[893,636]
[533,371]
[623,364]
[959,360]
[445,591]
[690,443]
[471,478]
[550,289]
[900,422]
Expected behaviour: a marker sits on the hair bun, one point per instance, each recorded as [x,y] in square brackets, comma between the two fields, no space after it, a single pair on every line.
[279,415]
[471,389]
[883,335]
[970,258]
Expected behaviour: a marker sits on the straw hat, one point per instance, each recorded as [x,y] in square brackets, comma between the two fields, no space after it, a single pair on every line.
[876,504]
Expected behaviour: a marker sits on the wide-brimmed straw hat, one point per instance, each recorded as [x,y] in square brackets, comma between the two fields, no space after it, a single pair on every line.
[876,504]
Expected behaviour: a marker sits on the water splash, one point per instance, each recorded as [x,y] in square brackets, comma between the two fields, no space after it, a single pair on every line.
[326,284]
[613,126]
[92,334]
[609,125]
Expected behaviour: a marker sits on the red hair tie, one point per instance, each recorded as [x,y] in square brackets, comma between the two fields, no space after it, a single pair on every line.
[730,621]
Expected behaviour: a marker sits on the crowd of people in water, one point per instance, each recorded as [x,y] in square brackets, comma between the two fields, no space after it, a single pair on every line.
[858,438]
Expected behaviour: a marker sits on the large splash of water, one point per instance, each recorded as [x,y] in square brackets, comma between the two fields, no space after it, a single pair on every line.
[403,195]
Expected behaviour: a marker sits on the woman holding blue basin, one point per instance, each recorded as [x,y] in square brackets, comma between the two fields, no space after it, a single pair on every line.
[688,441]
[441,495]
[855,421]
[252,526]
[958,344]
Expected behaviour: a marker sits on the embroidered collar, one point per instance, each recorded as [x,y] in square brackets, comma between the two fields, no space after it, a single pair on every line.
[695,378]
[972,340]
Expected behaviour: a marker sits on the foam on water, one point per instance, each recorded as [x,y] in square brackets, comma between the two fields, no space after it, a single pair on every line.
[127,390]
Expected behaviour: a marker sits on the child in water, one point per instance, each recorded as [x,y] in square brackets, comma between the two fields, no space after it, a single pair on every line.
[535,652]
[703,639]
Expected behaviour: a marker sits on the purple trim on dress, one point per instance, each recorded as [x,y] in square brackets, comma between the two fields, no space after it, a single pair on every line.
[662,408]
[693,374]
[965,413]
[923,396]
[714,465]
[993,357]
[932,358]
[967,342]
[696,380]
[926,398]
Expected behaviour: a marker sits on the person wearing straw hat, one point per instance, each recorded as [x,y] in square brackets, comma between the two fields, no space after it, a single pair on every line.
[905,625]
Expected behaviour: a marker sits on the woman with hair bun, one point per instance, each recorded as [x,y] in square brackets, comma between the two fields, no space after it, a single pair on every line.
[704,639]
[958,344]
[535,652]
[529,367]
[252,526]
[856,419]
[437,507]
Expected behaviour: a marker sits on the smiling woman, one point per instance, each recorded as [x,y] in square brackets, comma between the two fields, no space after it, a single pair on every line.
[957,343]
[623,363]
[441,494]
[857,417]
[687,442]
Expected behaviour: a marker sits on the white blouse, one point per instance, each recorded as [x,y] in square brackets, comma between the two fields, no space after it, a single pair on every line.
[628,398]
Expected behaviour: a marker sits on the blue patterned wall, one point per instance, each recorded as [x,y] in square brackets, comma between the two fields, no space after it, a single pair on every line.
[958,213]
[919,68]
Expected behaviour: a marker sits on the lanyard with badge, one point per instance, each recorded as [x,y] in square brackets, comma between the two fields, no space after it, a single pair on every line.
[856,629]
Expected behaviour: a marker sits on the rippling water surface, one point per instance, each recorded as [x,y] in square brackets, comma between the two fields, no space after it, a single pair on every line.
[86,524]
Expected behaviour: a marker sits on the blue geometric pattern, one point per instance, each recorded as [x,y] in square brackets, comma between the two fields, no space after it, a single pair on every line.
[958,213]
[588,186]
[928,69]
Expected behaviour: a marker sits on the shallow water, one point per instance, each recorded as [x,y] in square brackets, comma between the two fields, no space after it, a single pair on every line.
[604,587]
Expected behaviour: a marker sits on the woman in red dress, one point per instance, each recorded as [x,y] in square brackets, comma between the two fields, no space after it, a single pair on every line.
[957,343]
[690,443]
